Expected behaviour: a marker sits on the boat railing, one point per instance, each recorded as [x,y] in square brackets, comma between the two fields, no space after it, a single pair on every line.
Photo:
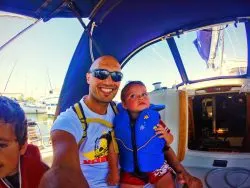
[36,136]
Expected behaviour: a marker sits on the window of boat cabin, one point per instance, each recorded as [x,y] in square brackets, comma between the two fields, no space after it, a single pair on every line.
[152,64]
[217,51]
[33,66]
[35,63]
[217,120]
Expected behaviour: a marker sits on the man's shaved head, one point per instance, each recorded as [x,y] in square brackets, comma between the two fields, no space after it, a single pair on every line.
[105,61]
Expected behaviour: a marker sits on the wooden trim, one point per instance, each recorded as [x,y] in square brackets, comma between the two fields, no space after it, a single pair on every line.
[182,125]
[248,122]
[246,140]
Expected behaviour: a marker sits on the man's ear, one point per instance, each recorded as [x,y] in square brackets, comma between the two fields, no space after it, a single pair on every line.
[88,77]
[23,148]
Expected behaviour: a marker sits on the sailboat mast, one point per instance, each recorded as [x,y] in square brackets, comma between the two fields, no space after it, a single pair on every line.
[9,76]
[222,49]
[50,84]
[213,46]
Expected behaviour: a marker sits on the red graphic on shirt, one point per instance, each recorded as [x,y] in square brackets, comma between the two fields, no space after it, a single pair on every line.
[97,160]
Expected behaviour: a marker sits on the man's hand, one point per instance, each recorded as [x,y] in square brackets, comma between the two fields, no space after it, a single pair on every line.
[190,181]
[183,176]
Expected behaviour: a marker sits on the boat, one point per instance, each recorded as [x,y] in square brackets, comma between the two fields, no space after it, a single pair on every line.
[51,109]
[33,108]
[207,106]
[51,104]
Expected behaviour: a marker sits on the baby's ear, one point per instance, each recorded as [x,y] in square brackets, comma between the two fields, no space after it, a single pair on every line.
[124,105]
[23,148]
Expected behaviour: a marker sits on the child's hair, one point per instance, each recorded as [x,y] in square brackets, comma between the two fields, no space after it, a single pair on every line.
[127,86]
[13,114]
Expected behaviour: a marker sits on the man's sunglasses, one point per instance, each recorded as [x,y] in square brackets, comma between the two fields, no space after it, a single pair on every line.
[103,74]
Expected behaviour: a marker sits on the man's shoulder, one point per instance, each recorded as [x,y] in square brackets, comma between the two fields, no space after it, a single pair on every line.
[65,119]
[67,114]
[69,122]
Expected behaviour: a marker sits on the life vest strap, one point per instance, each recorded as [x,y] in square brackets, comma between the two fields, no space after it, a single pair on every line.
[85,121]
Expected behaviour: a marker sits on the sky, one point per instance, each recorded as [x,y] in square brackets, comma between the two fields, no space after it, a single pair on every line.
[40,57]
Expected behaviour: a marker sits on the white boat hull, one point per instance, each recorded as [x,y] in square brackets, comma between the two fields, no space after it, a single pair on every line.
[50,109]
[33,109]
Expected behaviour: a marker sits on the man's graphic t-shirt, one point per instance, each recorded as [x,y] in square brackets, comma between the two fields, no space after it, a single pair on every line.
[94,150]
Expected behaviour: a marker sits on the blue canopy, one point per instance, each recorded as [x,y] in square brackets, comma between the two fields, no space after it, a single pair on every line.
[131,24]
[123,26]
[47,9]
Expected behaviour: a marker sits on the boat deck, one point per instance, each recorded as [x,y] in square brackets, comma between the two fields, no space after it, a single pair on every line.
[222,177]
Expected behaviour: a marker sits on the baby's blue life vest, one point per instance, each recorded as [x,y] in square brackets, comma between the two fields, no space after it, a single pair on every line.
[149,146]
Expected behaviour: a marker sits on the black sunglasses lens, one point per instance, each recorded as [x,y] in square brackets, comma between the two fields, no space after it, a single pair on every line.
[116,76]
[101,74]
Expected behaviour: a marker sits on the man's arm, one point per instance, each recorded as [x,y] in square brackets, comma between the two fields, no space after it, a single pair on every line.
[182,175]
[65,171]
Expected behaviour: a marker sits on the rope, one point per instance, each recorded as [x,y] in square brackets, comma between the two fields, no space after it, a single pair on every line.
[228,176]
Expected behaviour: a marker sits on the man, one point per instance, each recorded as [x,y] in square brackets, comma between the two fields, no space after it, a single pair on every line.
[104,80]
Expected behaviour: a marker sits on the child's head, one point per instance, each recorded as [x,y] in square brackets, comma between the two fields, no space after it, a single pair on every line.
[134,96]
[13,136]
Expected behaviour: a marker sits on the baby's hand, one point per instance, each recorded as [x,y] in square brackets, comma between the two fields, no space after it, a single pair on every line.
[161,131]
[164,133]
[113,178]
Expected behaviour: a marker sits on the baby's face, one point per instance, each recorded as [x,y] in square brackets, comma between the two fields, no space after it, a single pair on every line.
[136,98]
[9,150]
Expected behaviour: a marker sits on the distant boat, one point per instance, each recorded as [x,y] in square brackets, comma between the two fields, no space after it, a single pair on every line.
[30,108]
[51,104]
